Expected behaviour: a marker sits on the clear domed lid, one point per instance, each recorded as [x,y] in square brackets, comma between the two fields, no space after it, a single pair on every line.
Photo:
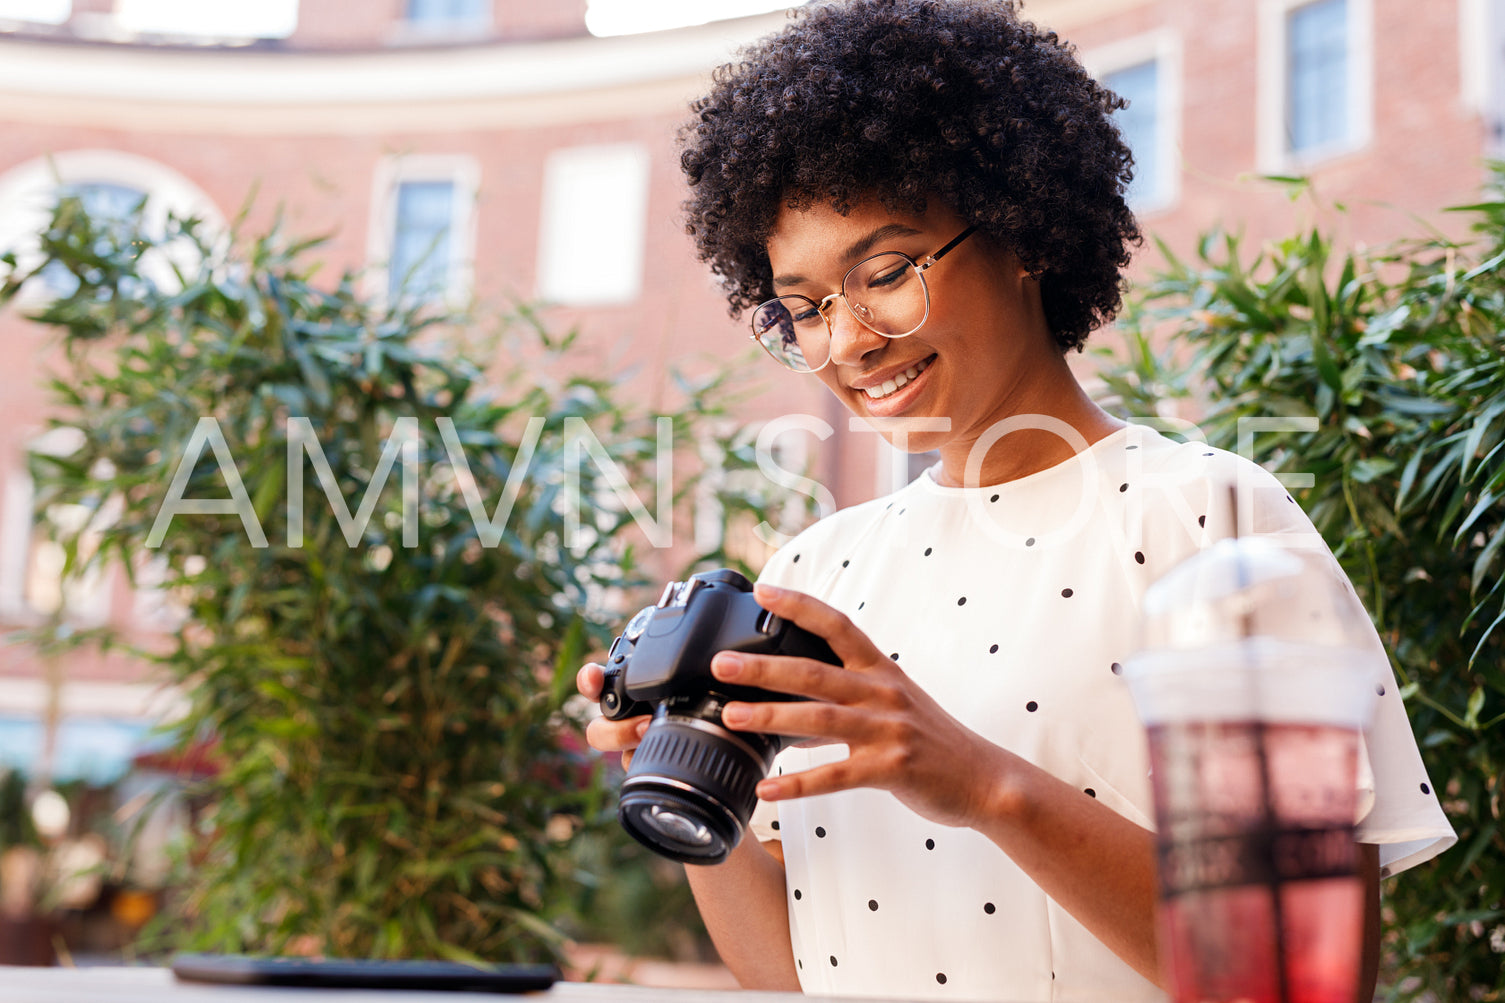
[1252,587]
[1248,629]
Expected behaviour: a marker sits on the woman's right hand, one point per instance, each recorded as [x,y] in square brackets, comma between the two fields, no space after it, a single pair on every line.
[603,734]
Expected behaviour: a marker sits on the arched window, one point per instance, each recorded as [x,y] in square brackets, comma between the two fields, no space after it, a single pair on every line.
[111,184]
[110,205]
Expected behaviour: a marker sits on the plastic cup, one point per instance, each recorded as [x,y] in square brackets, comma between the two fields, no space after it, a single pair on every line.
[1253,691]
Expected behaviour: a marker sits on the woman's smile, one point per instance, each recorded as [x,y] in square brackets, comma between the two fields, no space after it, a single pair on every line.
[881,390]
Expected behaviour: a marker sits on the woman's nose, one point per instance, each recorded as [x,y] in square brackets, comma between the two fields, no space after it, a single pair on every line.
[851,340]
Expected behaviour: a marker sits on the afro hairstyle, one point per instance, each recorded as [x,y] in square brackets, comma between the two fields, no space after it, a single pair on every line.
[905,101]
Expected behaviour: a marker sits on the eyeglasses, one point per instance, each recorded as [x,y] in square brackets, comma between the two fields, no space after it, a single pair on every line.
[886,293]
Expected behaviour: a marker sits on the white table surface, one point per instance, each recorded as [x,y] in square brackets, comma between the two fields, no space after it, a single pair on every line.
[157,985]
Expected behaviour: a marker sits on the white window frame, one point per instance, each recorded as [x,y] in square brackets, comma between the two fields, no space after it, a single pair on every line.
[86,602]
[1481,62]
[15,546]
[1271,154]
[1162,47]
[464,173]
[28,193]
[563,278]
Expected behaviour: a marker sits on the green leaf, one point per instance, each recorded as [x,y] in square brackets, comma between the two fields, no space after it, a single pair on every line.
[1483,505]
[1482,426]
[1486,558]
[1371,469]
[1475,705]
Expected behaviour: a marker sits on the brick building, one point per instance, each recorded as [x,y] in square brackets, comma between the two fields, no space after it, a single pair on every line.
[519,145]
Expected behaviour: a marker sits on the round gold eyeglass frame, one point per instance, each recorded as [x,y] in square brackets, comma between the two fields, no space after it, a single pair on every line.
[921,266]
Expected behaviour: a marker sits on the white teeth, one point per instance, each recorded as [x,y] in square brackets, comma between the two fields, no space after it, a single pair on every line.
[889,386]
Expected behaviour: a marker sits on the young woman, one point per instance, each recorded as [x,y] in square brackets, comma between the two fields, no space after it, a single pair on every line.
[921,204]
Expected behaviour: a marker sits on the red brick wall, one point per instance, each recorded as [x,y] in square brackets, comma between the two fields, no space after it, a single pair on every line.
[1425,154]
[1426,147]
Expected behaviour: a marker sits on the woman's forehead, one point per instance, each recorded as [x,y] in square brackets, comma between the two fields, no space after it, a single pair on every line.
[820,237]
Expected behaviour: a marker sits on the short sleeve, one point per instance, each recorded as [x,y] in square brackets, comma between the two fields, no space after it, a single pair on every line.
[764,824]
[1404,816]
[1398,804]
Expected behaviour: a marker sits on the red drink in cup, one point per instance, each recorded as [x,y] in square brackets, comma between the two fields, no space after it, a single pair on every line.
[1240,892]
[1253,714]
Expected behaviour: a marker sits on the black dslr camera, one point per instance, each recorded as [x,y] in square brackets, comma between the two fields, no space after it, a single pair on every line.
[689,792]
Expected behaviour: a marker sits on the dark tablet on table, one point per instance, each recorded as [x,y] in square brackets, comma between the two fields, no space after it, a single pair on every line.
[245,970]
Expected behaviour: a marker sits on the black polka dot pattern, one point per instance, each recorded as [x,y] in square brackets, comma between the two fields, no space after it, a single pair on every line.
[775,825]
[1027,598]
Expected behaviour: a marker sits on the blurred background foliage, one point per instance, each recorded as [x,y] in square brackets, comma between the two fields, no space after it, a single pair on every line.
[1398,354]
[400,771]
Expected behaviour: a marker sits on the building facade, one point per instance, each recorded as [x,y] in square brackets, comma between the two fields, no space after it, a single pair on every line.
[484,150]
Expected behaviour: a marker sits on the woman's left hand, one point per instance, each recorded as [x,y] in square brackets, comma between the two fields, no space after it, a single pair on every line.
[900,739]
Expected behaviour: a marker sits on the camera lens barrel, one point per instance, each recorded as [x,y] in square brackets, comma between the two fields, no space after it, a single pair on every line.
[690,790]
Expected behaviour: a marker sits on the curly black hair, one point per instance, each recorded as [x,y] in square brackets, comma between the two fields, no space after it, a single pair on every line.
[906,100]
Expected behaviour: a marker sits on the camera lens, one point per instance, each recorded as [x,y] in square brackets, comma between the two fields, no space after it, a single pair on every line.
[690,789]
[676,827]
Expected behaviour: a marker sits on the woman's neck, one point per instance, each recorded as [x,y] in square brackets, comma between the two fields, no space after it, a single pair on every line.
[1049,430]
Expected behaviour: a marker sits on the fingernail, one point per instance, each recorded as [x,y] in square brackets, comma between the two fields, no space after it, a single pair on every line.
[727,665]
[766,591]
[736,714]
[768,790]
[642,728]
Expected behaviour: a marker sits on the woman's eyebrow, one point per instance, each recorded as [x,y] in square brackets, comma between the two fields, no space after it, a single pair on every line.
[861,247]
[858,249]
